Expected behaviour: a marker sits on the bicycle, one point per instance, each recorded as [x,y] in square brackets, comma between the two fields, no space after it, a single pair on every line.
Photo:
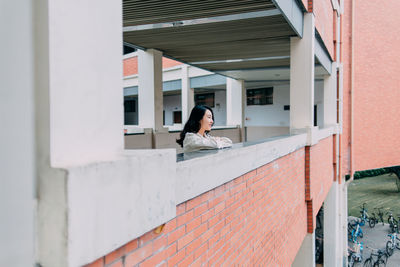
[394,242]
[392,221]
[355,254]
[381,259]
[365,217]
[355,231]
[380,215]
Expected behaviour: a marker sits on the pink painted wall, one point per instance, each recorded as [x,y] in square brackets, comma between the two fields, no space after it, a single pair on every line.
[324,22]
[377,84]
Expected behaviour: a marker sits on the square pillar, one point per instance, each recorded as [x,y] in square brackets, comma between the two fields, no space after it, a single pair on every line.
[187,94]
[150,94]
[79,89]
[235,97]
[330,88]
[17,137]
[306,254]
[302,77]
[332,229]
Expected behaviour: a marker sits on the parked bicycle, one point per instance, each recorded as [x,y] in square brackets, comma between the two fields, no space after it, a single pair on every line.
[355,230]
[394,242]
[380,256]
[355,254]
[380,215]
[392,221]
[366,218]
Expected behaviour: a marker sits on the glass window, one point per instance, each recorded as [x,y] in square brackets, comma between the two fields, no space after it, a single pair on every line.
[260,96]
[205,99]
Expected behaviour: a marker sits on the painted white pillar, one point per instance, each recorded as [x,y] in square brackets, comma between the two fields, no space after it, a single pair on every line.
[79,72]
[150,93]
[306,254]
[343,221]
[332,229]
[330,90]
[235,97]
[302,77]
[340,97]
[17,144]
[187,94]
[79,107]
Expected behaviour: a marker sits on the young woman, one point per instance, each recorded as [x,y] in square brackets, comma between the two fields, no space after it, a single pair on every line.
[195,133]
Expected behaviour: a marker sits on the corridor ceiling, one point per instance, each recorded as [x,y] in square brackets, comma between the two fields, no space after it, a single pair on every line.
[217,35]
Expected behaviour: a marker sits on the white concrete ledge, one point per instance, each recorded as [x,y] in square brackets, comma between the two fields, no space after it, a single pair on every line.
[98,207]
[326,132]
[130,55]
[209,169]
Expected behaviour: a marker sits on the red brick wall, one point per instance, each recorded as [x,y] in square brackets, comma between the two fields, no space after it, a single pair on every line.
[131,65]
[319,176]
[324,22]
[246,222]
[168,63]
[321,172]
[377,84]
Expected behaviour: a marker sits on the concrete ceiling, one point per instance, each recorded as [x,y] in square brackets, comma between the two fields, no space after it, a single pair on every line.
[246,39]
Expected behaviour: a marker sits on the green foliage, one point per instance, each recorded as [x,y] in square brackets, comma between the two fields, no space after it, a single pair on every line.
[377,172]
[370,173]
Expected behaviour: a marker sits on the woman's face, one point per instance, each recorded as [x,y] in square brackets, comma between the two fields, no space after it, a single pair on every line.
[207,121]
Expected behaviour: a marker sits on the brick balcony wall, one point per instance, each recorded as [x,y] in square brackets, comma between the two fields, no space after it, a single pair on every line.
[321,172]
[257,219]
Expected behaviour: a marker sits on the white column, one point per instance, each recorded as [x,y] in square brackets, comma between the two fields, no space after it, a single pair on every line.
[187,94]
[17,145]
[235,98]
[79,72]
[340,97]
[306,254]
[302,77]
[79,108]
[150,93]
[330,90]
[343,221]
[332,229]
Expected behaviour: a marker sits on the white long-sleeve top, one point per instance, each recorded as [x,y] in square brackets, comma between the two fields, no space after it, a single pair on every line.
[195,141]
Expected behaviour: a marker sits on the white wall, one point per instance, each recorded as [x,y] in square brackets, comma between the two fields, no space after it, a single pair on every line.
[17,171]
[171,103]
[270,115]
[274,115]
[220,110]
[319,101]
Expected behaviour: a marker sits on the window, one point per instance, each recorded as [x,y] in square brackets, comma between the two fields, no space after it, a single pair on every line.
[177,116]
[130,114]
[205,99]
[260,96]
[130,105]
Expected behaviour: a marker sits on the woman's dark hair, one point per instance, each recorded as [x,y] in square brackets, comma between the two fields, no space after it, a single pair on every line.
[193,123]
